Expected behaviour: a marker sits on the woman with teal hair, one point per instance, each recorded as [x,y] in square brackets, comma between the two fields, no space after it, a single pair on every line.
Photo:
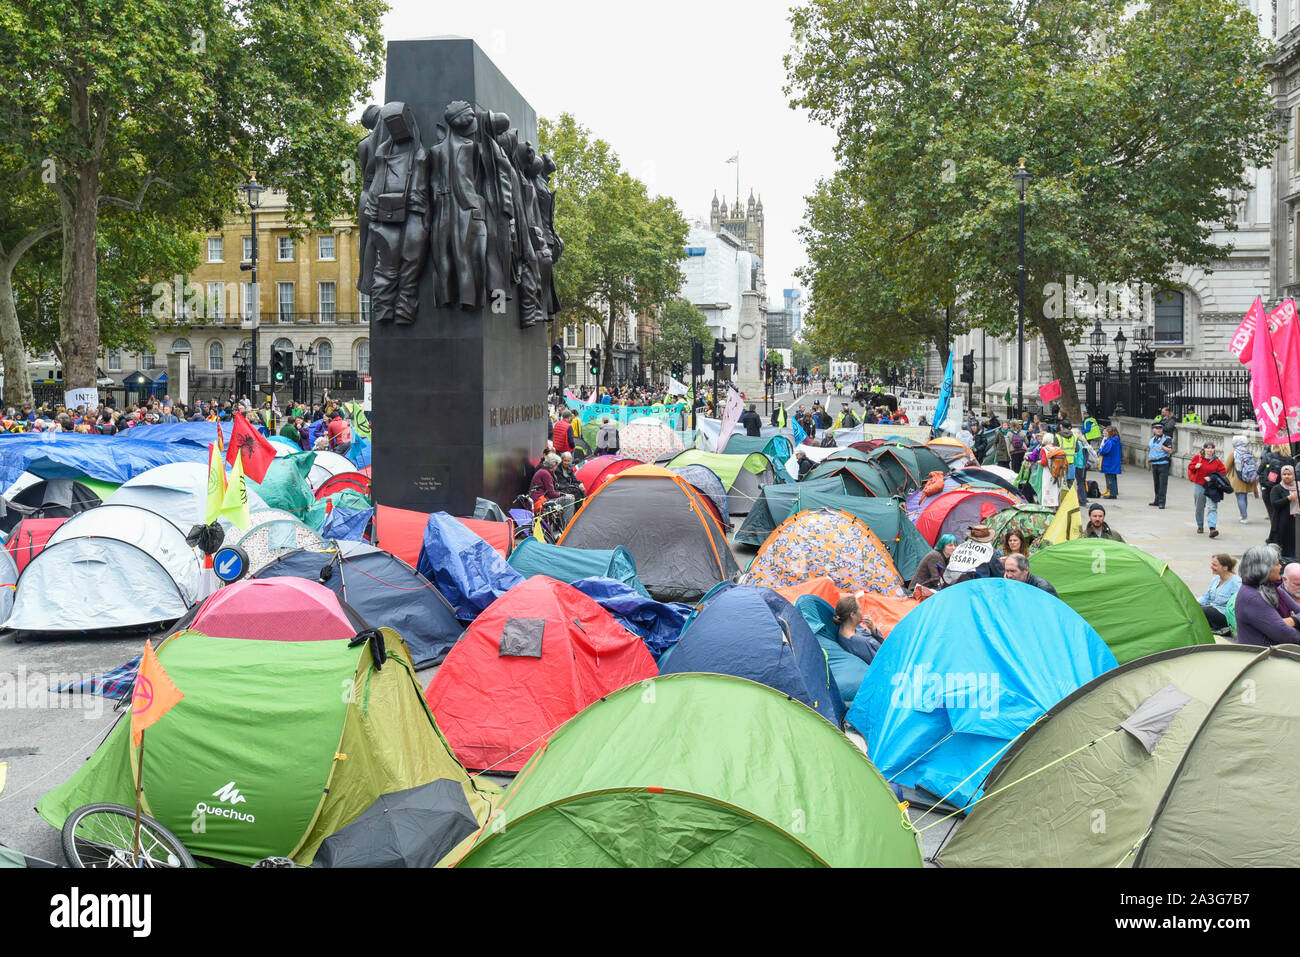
[930,571]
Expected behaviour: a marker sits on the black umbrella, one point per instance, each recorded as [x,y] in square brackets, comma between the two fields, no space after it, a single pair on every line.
[412,828]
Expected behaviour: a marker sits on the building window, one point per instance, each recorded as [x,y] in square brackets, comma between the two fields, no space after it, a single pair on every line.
[181,345]
[326,299]
[215,357]
[216,300]
[325,247]
[363,302]
[1169,318]
[324,357]
[114,360]
[570,337]
[248,249]
[282,345]
[284,296]
[214,249]
[249,299]
[284,249]
[147,360]
[363,357]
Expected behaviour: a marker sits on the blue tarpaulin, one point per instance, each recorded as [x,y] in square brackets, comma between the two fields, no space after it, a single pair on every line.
[346,524]
[963,674]
[101,457]
[532,557]
[469,572]
[194,433]
[658,624]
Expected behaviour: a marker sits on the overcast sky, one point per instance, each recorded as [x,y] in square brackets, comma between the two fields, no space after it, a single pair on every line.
[675,86]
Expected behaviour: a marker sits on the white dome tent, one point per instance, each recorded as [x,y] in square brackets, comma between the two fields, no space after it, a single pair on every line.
[326,466]
[177,491]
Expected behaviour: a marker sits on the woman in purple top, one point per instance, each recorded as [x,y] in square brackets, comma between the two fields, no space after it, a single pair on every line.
[1260,621]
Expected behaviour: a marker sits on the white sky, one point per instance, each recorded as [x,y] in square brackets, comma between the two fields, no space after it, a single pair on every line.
[674,86]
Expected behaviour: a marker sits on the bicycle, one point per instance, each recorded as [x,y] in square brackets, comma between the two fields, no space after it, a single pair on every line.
[550,517]
[103,836]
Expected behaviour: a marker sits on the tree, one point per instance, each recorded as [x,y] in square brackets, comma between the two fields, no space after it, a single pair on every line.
[1138,123]
[622,246]
[680,323]
[146,105]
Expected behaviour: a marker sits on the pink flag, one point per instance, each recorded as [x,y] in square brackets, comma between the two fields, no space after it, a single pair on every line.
[568,394]
[1275,376]
[1243,340]
[730,416]
[1050,392]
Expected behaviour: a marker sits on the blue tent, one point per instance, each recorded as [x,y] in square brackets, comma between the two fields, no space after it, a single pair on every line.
[469,572]
[383,590]
[658,624]
[346,524]
[848,670]
[752,632]
[565,564]
[963,674]
[100,457]
[200,434]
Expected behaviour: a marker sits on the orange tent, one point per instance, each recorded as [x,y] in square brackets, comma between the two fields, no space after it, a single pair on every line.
[821,586]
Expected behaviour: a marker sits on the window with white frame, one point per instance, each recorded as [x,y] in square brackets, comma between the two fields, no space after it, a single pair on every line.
[324,357]
[147,360]
[114,360]
[325,297]
[248,296]
[570,337]
[1169,306]
[214,249]
[325,247]
[216,300]
[284,249]
[284,297]
[248,249]
[180,345]
[363,357]
[363,302]
[216,357]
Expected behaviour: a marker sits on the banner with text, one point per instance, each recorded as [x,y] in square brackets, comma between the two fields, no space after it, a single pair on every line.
[623,414]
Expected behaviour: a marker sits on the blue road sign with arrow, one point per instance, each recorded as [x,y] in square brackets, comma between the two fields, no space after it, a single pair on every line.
[230,563]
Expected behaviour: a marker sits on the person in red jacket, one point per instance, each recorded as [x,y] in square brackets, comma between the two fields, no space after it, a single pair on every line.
[561,435]
[1205,463]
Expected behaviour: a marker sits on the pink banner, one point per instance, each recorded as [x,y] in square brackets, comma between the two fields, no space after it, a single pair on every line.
[1275,376]
[730,416]
[1243,340]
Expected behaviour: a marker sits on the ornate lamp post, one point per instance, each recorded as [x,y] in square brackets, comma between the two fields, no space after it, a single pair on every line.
[253,197]
[1121,341]
[1022,177]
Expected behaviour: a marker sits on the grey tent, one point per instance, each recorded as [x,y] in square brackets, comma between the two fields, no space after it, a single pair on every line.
[412,828]
[1184,758]
[383,589]
[46,498]
[97,586]
[8,582]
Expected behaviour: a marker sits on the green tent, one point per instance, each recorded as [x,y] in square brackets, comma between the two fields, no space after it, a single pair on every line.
[906,469]
[871,478]
[697,770]
[886,517]
[1133,600]
[742,476]
[1181,759]
[778,448]
[1032,519]
[276,746]
[776,503]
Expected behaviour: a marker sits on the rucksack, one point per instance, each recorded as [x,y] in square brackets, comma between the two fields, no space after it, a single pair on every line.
[1017,442]
[1247,466]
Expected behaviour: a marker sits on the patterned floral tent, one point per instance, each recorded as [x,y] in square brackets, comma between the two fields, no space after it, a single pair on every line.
[647,439]
[825,542]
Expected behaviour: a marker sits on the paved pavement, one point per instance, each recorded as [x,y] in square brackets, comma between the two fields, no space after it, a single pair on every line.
[45,736]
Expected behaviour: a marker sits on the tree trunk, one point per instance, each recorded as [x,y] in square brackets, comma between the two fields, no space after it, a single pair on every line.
[1059,355]
[18,381]
[78,318]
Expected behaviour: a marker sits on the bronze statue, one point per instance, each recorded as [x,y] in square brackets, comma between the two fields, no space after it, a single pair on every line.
[460,233]
[531,245]
[366,160]
[495,187]
[546,203]
[396,216]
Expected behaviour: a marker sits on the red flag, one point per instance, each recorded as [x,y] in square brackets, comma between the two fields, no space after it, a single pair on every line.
[258,453]
[1050,392]
[1242,344]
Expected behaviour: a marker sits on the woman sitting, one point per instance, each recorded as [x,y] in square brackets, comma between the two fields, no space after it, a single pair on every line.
[930,569]
[1259,619]
[1223,586]
[858,634]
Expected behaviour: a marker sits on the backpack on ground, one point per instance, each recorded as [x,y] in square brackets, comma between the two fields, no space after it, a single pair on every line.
[1094,490]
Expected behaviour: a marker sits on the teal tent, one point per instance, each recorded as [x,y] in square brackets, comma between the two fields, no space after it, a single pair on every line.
[871,478]
[569,565]
[847,669]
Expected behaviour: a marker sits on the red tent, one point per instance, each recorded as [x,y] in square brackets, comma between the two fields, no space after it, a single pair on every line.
[29,537]
[533,659]
[400,532]
[956,511]
[274,609]
[355,481]
[595,472]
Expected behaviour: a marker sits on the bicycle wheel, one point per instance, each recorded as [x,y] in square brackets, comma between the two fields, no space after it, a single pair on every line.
[102,835]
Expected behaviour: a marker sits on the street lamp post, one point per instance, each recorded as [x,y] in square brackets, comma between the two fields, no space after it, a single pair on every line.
[1021,176]
[1121,341]
[253,197]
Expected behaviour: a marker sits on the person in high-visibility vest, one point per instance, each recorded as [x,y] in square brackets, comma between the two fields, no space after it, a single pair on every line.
[1091,430]
[1066,441]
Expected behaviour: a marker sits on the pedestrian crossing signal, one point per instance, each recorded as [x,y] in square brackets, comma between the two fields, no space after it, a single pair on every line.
[558,360]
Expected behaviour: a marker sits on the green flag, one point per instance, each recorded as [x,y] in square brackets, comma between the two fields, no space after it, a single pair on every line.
[1008,395]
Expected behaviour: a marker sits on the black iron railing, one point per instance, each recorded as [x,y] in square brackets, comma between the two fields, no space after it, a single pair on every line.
[1219,396]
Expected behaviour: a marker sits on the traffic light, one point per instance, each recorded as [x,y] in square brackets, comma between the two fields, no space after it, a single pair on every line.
[595,361]
[280,362]
[719,354]
[558,360]
[968,367]
[679,370]
[697,358]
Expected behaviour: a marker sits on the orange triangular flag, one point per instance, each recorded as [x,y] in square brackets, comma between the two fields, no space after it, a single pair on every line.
[153,696]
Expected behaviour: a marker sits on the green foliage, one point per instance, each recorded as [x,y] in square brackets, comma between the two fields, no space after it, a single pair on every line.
[679,323]
[1137,123]
[622,246]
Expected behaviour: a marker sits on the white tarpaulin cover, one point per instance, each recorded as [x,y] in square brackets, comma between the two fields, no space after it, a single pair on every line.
[267,540]
[8,578]
[94,584]
[326,465]
[149,531]
[177,491]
